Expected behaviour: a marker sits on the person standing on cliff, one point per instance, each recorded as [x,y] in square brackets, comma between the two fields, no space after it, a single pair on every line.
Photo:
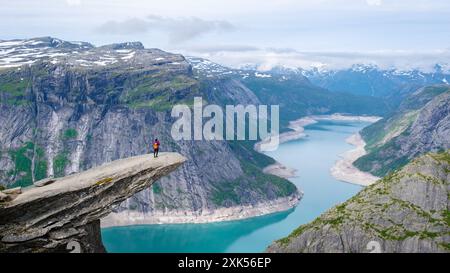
[156,145]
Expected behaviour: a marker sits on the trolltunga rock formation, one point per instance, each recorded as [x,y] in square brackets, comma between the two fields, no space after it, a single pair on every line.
[68,212]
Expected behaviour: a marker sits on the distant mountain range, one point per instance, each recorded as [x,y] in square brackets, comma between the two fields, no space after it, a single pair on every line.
[407,210]
[392,84]
[296,94]
[70,106]
[365,80]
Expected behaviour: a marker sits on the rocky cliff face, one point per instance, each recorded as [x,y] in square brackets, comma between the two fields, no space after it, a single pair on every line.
[67,212]
[407,211]
[67,107]
[420,125]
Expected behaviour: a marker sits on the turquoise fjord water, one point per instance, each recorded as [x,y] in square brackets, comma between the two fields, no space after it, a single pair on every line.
[312,157]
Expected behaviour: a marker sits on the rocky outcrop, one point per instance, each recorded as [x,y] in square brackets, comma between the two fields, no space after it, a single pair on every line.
[67,213]
[68,107]
[407,211]
[421,125]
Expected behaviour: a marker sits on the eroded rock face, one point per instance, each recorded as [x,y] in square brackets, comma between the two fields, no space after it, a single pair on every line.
[421,125]
[407,211]
[48,218]
[78,106]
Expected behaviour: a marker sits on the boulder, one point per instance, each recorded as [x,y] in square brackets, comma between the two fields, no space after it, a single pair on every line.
[44,182]
[16,190]
[3,197]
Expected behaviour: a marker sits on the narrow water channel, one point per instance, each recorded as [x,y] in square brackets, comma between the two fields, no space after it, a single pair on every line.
[312,157]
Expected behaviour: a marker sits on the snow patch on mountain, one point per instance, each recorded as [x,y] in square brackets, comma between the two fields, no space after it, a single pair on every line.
[17,53]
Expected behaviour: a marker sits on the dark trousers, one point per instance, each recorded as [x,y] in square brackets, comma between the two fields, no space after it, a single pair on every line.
[155,152]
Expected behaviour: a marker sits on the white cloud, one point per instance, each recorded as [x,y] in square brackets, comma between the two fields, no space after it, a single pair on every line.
[213,49]
[178,29]
[73,2]
[340,32]
[374,2]
[268,58]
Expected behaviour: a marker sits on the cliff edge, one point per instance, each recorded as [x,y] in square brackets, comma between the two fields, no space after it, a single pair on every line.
[68,211]
[406,211]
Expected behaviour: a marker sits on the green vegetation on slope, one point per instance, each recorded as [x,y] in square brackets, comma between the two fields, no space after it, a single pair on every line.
[422,96]
[247,153]
[375,210]
[40,165]
[384,130]
[229,193]
[70,134]
[298,98]
[160,91]
[389,142]
[59,163]
[397,122]
[378,154]
[13,89]
[156,188]
[22,158]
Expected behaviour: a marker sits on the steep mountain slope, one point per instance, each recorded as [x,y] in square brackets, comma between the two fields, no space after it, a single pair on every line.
[298,97]
[292,91]
[406,211]
[67,107]
[421,124]
[374,81]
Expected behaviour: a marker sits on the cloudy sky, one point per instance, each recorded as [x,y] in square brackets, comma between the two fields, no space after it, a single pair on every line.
[337,33]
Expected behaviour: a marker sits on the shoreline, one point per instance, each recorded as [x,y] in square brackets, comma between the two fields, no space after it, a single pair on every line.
[344,170]
[340,117]
[131,218]
[280,170]
[298,127]
[298,132]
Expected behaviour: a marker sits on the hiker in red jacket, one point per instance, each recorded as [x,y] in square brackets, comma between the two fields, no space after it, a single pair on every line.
[156,147]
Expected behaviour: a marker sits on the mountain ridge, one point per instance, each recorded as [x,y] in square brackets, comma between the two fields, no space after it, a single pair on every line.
[419,125]
[407,211]
[67,113]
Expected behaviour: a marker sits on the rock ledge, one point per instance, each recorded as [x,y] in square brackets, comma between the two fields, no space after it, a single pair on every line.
[48,218]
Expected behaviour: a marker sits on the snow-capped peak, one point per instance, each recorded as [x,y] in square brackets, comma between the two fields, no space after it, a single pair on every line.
[17,53]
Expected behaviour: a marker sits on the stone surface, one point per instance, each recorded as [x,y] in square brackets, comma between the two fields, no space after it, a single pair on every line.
[43,219]
[79,106]
[3,196]
[407,211]
[44,182]
[16,190]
